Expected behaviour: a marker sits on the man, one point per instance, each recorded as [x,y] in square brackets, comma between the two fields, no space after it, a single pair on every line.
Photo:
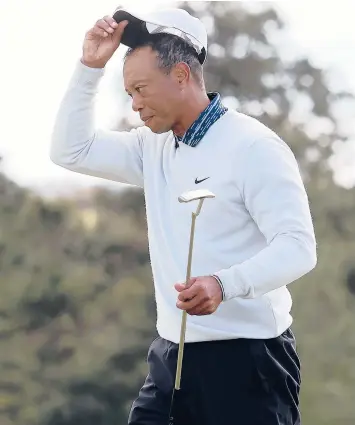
[256,237]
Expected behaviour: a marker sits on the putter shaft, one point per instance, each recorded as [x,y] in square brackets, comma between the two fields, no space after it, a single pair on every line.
[184,314]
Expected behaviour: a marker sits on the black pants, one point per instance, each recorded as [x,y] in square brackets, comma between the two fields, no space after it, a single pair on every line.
[240,381]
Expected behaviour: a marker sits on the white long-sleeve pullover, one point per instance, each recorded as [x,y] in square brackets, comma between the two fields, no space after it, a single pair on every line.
[257,235]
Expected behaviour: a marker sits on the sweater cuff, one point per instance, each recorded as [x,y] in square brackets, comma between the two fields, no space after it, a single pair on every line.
[84,75]
[221,286]
[230,288]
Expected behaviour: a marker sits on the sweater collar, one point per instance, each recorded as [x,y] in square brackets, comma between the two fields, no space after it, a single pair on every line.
[207,118]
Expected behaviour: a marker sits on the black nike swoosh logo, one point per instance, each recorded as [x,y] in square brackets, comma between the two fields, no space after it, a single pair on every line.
[200,181]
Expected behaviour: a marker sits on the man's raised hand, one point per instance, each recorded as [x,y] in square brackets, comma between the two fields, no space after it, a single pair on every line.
[101,42]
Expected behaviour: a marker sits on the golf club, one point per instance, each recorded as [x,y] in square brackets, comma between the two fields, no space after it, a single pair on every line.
[186,197]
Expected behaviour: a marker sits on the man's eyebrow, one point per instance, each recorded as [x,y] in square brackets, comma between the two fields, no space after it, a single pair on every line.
[137,82]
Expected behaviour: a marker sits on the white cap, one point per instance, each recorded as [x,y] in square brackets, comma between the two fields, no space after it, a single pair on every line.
[170,21]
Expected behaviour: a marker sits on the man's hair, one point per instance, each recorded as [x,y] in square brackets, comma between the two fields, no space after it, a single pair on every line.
[172,50]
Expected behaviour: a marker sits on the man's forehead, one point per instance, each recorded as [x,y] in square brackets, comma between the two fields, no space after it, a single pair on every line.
[139,75]
[140,66]
[145,53]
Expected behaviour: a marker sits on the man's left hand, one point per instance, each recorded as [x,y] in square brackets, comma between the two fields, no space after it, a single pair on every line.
[200,296]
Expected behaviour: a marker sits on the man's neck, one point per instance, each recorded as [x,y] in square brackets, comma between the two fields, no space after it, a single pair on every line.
[193,108]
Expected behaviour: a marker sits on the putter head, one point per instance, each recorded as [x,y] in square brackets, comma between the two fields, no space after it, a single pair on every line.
[194,195]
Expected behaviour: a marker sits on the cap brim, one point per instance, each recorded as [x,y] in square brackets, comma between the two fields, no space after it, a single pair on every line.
[135,33]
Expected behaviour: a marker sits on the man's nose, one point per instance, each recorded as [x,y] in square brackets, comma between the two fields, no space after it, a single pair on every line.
[137,103]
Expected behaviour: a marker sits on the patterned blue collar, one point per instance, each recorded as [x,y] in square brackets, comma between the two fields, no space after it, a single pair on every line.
[207,118]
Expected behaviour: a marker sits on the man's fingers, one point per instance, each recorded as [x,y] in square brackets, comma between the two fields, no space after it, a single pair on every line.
[108,26]
[202,309]
[188,294]
[191,291]
[202,298]
[120,29]
[110,21]
[183,287]
[190,282]
[105,26]
[191,302]
[198,311]
[99,32]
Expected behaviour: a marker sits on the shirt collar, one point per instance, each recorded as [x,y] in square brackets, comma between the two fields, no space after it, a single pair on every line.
[207,118]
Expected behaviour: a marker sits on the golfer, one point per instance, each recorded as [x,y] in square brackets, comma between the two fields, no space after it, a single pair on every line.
[251,241]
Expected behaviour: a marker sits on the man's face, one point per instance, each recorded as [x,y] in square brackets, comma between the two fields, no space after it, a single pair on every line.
[156,96]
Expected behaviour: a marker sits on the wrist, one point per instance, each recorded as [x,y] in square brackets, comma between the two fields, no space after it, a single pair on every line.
[94,65]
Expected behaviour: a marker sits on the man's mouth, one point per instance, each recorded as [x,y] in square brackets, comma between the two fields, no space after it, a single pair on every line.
[146,119]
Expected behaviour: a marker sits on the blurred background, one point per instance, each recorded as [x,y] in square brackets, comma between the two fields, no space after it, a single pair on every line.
[77,310]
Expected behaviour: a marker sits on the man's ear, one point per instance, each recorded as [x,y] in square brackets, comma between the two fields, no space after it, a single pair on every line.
[182,74]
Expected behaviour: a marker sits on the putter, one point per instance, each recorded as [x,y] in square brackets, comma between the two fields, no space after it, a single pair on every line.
[190,196]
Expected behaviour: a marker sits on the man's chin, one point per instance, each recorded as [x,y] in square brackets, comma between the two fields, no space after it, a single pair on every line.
[156,129]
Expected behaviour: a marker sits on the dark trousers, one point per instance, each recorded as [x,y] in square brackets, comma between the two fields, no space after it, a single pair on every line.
[240,381]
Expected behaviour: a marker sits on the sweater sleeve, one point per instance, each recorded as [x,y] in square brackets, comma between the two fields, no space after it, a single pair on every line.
[274,195]
[78,146]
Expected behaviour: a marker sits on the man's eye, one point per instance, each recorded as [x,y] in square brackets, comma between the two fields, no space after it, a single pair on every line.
[138,89]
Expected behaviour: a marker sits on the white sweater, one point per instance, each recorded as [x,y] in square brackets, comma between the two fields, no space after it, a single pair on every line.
[257,235]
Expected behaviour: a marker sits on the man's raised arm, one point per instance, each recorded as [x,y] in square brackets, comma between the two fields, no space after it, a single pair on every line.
[76,144]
